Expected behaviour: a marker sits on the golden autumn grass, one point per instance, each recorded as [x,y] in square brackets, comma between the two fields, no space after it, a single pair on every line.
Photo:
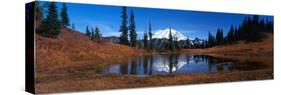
[71,63]
[73,48]
[92,82]
[255,51]
[72,53]
[264,47]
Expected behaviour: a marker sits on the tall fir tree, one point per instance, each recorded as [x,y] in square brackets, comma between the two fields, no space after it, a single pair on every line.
[188,44]
[73,27]
[211,40]
[51,25]
[39,15]
[97,33]
[230,35]
[269,26]
[262,25]
[171,41]
[145,41]
[88,33]
[133,33]
[256,29]
[150,36]
[235,34]
[123,28]
[92,33]
[38,11]
[219,37]
[64,15]
[222,40]
[176,44]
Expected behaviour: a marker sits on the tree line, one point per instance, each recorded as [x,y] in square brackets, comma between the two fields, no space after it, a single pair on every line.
[252,29]
[93,34]
[51,21]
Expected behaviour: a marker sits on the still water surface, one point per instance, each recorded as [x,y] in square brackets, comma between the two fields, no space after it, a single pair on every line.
[163,64]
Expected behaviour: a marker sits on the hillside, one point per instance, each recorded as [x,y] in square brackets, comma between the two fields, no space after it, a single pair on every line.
[253,51]
[264,47]
[73,48]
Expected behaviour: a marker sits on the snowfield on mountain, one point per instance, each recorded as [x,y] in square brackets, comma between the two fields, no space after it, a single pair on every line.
[161,34]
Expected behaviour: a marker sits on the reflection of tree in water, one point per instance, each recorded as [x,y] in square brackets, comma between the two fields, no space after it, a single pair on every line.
[218,64]
[134,67]
[146,64]
[123,69]
[172,65]
[150,65]
[139,66]
[196,58]
[200,58]
[211,64]
[211,61]
[188,59]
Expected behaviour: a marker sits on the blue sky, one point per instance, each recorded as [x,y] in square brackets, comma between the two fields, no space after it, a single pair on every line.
[190,23]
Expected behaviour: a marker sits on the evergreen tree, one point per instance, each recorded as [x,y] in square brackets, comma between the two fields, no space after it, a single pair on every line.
[188,44]
[97,33]
[222,40]
[73,27]
[211,40]
[92,33]
[219,37]
[176,44]
[51,25]
[145,41]
[239,35]
[132,27]
[138,46]
[235,34]
[171,41]
[38,16]
[255,29]
[269,26]
[262,25]
[230,35]
[124,28]
[88,33]
[38,11]
[150,36]
[64,15]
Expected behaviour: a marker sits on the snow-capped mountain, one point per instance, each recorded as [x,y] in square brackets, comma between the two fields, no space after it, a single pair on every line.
[161,34]
[198,43]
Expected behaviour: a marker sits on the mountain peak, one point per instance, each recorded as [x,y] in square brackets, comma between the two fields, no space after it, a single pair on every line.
[161,34]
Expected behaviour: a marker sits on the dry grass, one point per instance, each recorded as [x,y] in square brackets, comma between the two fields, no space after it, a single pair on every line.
[256,51]
[265,47]
[75,52]
[92,82]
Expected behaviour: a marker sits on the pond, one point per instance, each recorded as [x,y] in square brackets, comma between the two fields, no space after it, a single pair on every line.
[163,64]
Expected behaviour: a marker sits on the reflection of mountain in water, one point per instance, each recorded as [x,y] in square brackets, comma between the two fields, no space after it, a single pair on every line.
[183,64]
